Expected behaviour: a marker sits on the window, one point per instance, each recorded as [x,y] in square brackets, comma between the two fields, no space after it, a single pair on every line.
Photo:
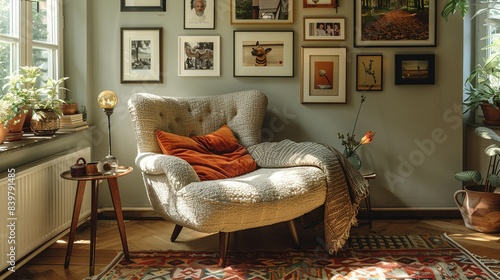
[31,34]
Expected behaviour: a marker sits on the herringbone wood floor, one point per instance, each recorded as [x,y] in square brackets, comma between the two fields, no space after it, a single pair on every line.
[155,235]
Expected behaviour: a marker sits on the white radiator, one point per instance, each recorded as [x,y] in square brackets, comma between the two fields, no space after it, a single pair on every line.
[36,205]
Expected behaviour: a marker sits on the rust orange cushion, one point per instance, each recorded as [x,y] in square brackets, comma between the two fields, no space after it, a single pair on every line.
[217,155]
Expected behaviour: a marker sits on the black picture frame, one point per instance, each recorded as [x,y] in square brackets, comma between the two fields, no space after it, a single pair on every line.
[152,6]
[414,69]
[369,33]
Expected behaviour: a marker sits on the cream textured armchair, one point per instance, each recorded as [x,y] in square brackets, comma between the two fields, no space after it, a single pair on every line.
[291,179]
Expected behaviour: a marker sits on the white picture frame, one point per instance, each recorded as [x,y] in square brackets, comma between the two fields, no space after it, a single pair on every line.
[199,56]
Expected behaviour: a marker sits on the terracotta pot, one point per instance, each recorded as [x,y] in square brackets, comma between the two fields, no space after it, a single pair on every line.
[480,210]
[3,133]
[15,128]
[69,109]
[491,115]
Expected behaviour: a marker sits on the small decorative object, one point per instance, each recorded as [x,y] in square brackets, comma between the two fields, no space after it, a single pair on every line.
[78,169]
[84,113]
[351,144]
[69,107]
[92,168]
[107,101]
[480,203]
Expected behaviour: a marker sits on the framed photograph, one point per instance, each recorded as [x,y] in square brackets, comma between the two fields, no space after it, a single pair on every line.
[143,5]
[199,56]
[261,12]
[369,76]
[409,25]
[199,14]
[323,75]
[263,53]
[415,69]
[141,55]
[324,29]
[319,3]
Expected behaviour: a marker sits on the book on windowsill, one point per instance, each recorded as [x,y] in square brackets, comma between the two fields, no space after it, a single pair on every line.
[72,129]
[72,125]
[71,118]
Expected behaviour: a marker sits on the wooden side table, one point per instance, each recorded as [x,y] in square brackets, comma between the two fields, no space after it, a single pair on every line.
[115,196]
[368,203]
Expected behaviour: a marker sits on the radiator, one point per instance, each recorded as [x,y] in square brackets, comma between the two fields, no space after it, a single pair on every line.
[36,206]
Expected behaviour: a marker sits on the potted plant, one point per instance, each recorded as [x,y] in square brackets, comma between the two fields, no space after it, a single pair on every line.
[69,107]
[479,203]
[482,87]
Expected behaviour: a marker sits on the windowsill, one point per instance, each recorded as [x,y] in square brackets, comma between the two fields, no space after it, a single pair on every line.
[30,140]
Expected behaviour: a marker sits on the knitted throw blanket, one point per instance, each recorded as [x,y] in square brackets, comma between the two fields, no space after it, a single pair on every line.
[346,187]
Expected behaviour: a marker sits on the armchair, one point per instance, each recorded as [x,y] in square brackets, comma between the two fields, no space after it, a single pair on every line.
[291,178]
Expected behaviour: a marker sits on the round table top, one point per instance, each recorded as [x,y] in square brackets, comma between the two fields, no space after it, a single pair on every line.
[121,171]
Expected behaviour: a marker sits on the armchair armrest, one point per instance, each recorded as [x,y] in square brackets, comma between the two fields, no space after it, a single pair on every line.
[177,170]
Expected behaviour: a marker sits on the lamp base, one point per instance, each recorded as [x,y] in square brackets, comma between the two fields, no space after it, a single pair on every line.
[108,165]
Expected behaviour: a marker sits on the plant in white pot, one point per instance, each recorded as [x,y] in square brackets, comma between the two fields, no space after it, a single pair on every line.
[479,203]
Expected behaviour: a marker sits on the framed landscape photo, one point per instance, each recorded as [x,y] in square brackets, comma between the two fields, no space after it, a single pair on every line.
[263,53]
[369,76]
[141,55]
[319,3]
[407,24]
[143,5]
[414,69]
[199,14]
[261,12]
[199,56]
[324,29]
[323,75]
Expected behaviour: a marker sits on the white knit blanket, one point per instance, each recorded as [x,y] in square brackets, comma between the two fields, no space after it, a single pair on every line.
[346,187]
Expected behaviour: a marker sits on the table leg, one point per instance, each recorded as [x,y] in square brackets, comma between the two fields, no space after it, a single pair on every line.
[80,192]
[369,210]
[115,195]
[93,226]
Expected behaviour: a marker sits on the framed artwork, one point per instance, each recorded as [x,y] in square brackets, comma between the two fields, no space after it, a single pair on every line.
[324,29]
[261,12]
[369,76]
[199,14]
[319,3]
[263,53]
[404,25]
[143,5]
[323,75]
[141,55]
[199,56]
[414,69]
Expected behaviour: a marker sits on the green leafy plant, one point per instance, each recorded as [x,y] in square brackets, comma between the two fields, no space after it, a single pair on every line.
[492,178]
[26,89]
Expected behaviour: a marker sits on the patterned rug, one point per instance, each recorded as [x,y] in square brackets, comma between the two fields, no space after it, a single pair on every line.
[370,257]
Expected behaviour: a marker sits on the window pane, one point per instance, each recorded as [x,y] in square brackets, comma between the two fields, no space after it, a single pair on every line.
[7,62]
[5,17]
[43,58]
[44,18]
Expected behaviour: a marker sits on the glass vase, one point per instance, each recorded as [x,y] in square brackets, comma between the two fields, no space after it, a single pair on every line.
[353,158]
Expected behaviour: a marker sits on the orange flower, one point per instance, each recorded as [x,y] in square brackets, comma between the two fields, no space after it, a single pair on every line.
[368,137]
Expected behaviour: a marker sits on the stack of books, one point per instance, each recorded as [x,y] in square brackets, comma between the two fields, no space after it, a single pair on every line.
[71,123]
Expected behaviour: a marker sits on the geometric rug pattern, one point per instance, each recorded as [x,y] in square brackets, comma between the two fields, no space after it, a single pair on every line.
[364,257]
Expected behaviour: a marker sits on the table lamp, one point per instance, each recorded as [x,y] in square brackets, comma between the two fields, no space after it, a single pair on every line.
[107,101]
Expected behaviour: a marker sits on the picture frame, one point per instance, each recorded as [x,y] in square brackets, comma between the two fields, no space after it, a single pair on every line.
[369,72]
[369,32]
[283,14]
[141,55]
[319,3]
[143,5]
[199,14]
[263,53]
[414,69]
[323,75]
[324,29]
[199,56]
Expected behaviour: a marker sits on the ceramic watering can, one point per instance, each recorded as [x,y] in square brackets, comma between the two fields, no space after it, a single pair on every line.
[480,210]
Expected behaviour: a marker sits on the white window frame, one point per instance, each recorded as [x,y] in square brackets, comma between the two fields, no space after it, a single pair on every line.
[21,29]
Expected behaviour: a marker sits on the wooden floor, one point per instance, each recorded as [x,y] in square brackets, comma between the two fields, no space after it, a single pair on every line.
[155,235]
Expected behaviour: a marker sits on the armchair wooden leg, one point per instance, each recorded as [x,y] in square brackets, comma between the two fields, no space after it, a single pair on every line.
[223,244]
[293,231]
[175,233]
